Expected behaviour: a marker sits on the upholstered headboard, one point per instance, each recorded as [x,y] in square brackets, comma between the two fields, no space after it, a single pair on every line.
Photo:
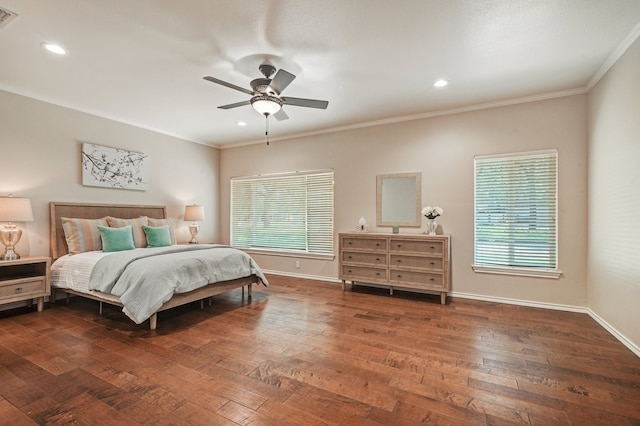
[57,243]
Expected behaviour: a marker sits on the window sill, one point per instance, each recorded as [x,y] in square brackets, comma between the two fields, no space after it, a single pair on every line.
[522,272]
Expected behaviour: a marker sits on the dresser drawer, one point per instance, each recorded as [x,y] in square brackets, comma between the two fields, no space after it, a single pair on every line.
[416,246]
[363,273]
[25,286]
[416,262]
[371,244]
[414,279]
[377,259]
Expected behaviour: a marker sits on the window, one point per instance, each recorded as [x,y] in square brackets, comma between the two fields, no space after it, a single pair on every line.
[290,213]
[515,214]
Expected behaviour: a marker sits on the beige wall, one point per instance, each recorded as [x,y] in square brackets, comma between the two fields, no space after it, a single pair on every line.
[443,149]
[40,146]
[614,196]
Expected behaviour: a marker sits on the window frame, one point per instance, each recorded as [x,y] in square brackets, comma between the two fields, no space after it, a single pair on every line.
[504,269]
[327,236]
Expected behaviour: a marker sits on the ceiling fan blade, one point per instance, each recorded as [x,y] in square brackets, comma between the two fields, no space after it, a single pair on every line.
[229,85]
[281,80]
[281,115]
[237,104]
[309,103]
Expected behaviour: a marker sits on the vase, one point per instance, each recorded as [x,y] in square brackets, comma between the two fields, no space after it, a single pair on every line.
[432,225]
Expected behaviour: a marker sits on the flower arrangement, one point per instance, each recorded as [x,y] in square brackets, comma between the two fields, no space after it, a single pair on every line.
[432,212]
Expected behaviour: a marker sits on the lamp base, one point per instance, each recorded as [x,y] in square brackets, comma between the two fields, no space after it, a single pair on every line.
[10,236]
[10,254]
[194,228]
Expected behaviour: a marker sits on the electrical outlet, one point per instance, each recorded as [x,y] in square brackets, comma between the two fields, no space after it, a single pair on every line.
[297,264]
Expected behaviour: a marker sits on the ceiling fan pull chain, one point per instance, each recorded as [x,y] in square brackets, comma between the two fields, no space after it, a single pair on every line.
[267,129]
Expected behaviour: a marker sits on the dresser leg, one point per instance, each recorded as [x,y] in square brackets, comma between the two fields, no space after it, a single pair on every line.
[40,304]
[390,291]
[443,298]
[343,285]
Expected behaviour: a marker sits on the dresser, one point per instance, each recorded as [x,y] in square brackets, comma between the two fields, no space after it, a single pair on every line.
[25,279]
[411,261]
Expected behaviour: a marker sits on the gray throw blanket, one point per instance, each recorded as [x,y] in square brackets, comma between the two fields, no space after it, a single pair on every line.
[145,279]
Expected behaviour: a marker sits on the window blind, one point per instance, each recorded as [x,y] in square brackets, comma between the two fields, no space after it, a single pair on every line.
[288,212]
[516,210]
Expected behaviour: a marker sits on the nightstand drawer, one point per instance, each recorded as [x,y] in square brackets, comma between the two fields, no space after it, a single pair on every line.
[25,286]
[405,261]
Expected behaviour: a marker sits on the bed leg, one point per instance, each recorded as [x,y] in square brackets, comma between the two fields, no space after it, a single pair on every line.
[248,291]
[100,308]
[201,303]
[153,321]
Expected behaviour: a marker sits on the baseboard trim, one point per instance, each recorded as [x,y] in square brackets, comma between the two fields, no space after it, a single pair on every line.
[520,302]
[615,333]
[305,276]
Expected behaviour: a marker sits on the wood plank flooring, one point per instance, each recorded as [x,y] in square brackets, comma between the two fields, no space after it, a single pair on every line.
[305,353]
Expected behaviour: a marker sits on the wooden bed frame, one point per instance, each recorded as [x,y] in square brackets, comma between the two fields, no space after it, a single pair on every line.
[58,247]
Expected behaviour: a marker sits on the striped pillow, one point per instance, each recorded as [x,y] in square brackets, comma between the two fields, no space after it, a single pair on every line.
[82,234]
[162,222]
[139,238]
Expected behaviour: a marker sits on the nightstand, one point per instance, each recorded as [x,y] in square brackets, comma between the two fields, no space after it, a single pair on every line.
[25,279]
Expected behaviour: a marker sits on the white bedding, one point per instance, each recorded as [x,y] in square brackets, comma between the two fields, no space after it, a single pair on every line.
[73,271]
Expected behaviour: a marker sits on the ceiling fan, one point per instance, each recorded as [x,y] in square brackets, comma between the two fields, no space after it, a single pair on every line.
[265,96]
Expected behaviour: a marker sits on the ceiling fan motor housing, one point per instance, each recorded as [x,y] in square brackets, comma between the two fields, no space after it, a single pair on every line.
[261,85]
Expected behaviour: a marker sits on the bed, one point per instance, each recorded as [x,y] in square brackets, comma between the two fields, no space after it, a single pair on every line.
[87,272]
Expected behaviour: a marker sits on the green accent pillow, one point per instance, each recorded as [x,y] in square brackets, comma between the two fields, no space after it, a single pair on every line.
[157,236]
[116,239]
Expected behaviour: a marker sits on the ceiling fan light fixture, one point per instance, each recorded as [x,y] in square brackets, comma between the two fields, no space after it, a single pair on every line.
[265,104]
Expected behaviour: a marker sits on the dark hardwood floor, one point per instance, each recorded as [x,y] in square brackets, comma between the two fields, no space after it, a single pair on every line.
[306,353]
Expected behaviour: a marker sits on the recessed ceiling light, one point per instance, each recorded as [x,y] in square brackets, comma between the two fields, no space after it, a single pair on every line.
[54,48]
[241,123]
[440,83]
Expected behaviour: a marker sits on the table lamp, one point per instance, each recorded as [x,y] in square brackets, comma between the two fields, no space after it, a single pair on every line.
[194,213]
[13,209]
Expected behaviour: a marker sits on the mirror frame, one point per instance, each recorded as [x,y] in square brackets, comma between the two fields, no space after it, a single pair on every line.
[417,222]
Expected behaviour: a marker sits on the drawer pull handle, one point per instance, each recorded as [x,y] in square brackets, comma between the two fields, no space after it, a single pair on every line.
[431,279]
[433,263]
[18,289]
[378,273]
[349,243]
[399,260]
[350,271]
[377,258]
[378,244]
[399,276]
[432,247]
[349,257]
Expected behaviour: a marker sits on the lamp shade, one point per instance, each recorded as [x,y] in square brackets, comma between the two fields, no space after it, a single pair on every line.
[194,213]
[13,209]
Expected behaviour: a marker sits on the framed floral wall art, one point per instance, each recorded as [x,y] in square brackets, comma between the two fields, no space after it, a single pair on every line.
[114,168]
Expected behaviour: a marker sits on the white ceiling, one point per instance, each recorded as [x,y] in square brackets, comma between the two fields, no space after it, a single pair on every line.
[143,61]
